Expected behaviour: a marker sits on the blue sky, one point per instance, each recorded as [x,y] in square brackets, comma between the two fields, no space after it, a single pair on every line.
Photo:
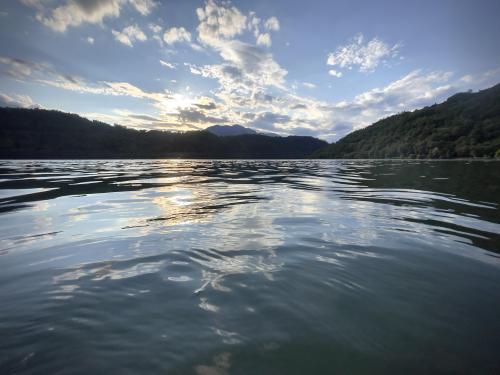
[321,68]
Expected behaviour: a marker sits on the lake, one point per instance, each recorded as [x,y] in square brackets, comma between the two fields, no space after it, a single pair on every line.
[249,267]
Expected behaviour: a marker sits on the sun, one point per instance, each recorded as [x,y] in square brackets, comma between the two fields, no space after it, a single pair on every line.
[177,102]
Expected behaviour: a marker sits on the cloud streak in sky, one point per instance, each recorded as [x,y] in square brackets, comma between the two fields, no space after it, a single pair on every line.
[18,101]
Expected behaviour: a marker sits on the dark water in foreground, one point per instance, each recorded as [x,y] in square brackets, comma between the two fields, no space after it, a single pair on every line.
[249,267]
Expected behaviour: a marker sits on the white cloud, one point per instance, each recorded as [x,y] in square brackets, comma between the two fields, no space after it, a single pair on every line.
[155,28]
[365,55]
[74,13]
[335,73]
[90,40]
[247,69]
[167,64]
[249,66]
[219,21]
[264,40]
[490,77]
[309,85]
[176,35]
[255,24]
[249,74]
[14,100]
[193,69]
[144,7]
[37,4]
[129,35]
[272,24]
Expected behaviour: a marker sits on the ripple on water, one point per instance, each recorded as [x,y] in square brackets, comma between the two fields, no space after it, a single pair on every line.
[218,267]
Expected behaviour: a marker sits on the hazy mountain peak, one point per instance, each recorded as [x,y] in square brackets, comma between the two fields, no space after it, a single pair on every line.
[229,130]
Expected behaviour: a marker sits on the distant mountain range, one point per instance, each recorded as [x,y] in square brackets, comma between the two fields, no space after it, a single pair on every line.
[43,134]
[466,125]
[229,130]
[232,130]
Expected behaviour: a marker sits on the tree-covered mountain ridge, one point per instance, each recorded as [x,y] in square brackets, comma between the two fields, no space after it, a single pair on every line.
[464,126]
[49,134]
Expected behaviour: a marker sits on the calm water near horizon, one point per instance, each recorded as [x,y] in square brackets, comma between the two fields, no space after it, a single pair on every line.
[249,267]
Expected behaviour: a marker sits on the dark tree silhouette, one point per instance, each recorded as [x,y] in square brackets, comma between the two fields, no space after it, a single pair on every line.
[42,134]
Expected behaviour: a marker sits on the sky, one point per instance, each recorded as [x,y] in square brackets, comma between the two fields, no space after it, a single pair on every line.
[318,68]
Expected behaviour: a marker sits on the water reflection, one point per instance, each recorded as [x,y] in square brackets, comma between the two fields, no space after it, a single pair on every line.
[204,261]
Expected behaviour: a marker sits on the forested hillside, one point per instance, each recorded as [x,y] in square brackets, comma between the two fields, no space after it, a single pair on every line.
[466,125]
[36,133]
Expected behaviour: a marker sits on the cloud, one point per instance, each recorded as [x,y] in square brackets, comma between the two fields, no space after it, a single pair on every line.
[292,114]
[74,13]
[206,104]
[90,40]
[18,101]
[248,74]
[269,121]
[219,21]
[489,77]
[365,55]
[194,115]
[309,85]
[247,65]
[247,69]
[142,117]
[144,7]
[264,40]
[129,35]
[37,4]
[45,74]
[167,64]
[19,68]
[176,35]
[156,29]
[272,24]
[335,73]
[412,91]
[138,121]
[255,23]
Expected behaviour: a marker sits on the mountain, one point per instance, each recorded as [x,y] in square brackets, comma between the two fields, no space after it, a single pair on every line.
[232,130]
[229,130]
[44,134]
[466,125]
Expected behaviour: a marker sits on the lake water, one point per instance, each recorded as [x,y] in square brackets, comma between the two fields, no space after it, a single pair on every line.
[249,267]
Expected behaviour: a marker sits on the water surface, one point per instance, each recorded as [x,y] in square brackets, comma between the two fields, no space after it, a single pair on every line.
[249,267]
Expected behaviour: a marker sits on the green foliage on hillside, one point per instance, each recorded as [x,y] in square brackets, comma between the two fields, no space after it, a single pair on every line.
[36,133]
[466,125]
